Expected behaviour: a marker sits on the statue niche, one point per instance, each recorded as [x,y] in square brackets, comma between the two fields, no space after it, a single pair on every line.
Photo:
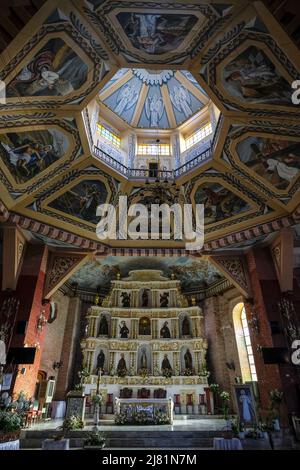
[121,367]
[186,327]
[144,359]
[165,331]
[103,326]
[145,298]
[124,330]
[144,326]
[164,299]
[125,299]
[100,361]
[187,363]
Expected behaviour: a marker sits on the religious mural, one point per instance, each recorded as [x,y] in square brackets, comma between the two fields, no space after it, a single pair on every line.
[56,70]
[219,202]
[275,160]
[191,273]
[253,78]
[82,200]
[26,154]
[155,33]
[154,105]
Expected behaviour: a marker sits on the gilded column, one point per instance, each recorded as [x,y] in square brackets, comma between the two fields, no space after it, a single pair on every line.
[95,327]
[153,329]
[155,361]
[194,330]
[173,328]
[111,360]
[197,364]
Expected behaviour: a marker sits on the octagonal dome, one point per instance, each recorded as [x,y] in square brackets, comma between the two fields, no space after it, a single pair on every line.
[161,99]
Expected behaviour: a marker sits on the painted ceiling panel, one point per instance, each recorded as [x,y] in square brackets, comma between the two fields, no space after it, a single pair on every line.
[153,96]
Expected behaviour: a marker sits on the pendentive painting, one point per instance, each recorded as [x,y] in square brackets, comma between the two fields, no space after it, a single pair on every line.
[56,70]
[82,200]
[275,160]
[26,154]
[219,202]
[155,33]
[251,77]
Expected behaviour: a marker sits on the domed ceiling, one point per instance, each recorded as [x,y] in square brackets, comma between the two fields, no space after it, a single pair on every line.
[153,99]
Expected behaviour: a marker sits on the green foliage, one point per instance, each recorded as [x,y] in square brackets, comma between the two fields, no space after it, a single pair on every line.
[10,421]
[72,423]
[96,439]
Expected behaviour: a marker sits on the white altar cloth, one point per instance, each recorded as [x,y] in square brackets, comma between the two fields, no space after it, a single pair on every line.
[227,444]
[11,445]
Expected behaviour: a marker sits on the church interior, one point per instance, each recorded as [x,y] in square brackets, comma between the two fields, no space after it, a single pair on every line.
[146,342]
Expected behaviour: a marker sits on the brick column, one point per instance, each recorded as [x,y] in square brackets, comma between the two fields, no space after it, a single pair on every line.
[70,342]
[266,295]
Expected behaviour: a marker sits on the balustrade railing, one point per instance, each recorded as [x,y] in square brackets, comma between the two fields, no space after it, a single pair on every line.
[160,175]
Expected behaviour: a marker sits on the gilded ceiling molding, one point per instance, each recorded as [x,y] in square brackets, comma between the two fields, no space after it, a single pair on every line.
[234,268]
[60,267]
[282,250]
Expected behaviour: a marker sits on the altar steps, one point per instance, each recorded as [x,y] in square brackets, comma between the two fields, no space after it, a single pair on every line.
[137,439]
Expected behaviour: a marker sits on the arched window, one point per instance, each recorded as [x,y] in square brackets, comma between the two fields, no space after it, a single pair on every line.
[243,342]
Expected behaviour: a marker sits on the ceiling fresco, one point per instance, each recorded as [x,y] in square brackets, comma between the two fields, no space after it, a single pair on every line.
[160,99]
[152,66]
[191,272]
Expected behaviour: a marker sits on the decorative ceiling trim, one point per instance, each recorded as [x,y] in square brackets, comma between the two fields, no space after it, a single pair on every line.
[60,267]
[235,269]
[282,250]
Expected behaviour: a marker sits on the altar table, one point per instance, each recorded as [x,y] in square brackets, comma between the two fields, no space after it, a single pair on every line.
[147,405]
[227,444]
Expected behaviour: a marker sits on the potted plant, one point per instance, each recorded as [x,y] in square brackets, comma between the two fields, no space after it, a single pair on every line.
[73,423]
[276,398]
[225,397]
[10,426]
[95,440]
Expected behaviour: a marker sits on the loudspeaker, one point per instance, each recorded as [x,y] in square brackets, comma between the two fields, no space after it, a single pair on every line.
[20,356]
[21,327]
[276,355]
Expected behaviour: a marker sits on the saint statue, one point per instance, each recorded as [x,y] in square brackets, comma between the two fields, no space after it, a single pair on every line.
[103,327]
[164,331]
[145,299]
[121,367]
[186,327]
[100,361]
[125,299]
[165,365]
[143,359]
[188,360]
[124,331]
[164,299]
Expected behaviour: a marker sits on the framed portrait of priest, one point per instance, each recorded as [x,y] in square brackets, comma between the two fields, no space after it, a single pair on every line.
[246,404]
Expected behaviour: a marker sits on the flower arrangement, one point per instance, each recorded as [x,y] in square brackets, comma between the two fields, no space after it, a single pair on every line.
[214,387]
[188,372]
[225,397]
[122,372]
[204,372]
[73,423]
[131,371]
[160,417]
[167,373]
[177,370]
[95,439]
[121,418]
[156,371]
[112,372]
[140,417]
[144,372]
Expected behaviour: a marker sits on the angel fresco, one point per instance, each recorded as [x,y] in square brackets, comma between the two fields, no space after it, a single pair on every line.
[56,70]
[181,100]
[154,108]
[127,97]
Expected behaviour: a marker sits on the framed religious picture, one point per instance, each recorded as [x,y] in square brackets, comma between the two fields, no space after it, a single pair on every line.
[246,404]
[6,381]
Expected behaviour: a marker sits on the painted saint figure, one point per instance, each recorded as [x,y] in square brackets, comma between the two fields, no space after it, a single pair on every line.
[145,298]
[165,331]
[103,327]
[100,361]
[165,365]
[124,331]
[248,414]
[188,360]
[186,327]
[121,367]
[125,299]
[143,359]
[164,299]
